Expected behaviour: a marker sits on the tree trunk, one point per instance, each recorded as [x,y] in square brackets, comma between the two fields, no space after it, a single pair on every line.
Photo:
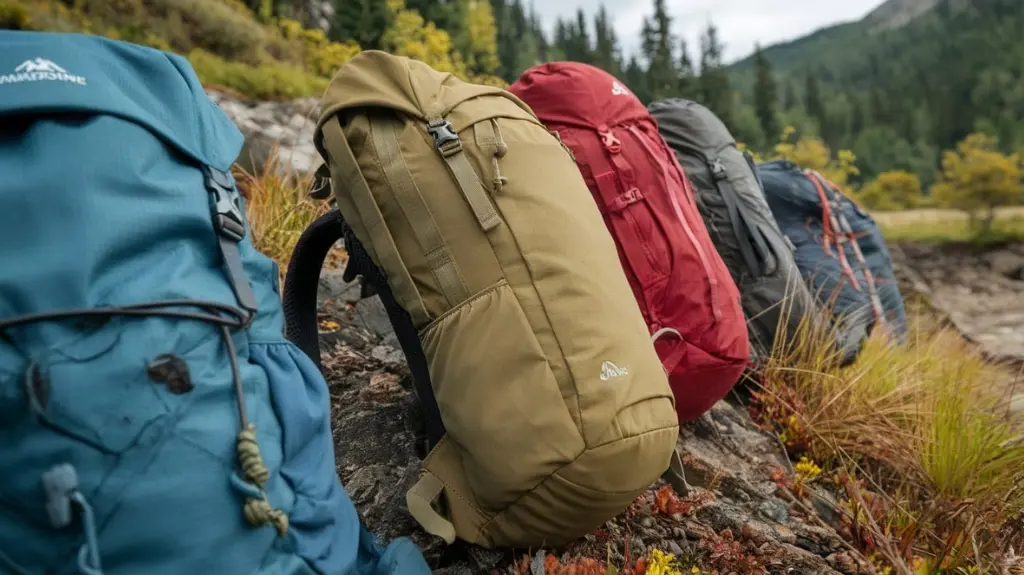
[990,216]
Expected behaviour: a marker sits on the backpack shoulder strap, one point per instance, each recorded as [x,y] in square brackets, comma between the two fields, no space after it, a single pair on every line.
[753,247]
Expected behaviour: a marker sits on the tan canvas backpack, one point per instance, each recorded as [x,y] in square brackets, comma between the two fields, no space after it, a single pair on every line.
[556,409]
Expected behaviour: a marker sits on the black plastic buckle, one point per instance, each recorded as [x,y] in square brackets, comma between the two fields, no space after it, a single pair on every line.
[230,226]
[227,214]
[443,133]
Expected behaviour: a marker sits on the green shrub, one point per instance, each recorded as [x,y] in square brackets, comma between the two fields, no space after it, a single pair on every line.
[264,82]
[225,42]
[13,16]
[321,56]
[216,27]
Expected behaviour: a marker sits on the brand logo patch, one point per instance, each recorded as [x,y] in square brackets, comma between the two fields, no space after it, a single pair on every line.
[39,70]
[610,371]
[619,90]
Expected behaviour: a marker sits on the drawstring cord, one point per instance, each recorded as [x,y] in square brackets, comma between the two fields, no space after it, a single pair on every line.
[500,149]
[257,509]
[89,554]
[62,490]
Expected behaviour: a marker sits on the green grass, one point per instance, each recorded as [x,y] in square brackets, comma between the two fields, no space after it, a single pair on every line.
[948,226]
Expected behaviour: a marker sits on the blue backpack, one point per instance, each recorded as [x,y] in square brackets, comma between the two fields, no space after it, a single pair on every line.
[840,252]
[153,417]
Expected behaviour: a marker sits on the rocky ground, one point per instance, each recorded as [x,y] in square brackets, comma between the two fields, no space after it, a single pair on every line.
[741,517]
[288,126]
[979,290]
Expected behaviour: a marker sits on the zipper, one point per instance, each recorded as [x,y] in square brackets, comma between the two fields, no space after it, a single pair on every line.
[678,208]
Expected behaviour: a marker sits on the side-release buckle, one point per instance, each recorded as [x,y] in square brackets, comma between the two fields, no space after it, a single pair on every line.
[444,134]
[227,215]
[230,226]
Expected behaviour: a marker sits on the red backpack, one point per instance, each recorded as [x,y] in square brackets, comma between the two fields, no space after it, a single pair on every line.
[689,300]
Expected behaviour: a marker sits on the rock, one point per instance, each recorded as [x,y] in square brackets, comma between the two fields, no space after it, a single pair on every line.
[1007,263]
[287,125]
[977,290]
[367,314]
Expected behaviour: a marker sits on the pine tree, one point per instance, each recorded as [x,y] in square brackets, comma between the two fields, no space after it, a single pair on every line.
[543,45]
[636,79]
[687,75]
[790,100]
[362,21]
[765,95]
[580,40]
[606,44]
[657,47]
[812,98]
[715,91]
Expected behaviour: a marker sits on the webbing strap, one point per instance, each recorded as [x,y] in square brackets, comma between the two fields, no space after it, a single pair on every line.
[230,227]
[382,242]
[748,236]
[837,226]
[448,144]
[830,230]
[408,197]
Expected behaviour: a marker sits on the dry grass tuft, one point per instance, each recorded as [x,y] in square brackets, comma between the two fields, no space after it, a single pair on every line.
[278,207]
[916,439]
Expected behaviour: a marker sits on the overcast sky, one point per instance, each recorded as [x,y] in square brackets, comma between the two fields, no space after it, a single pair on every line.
[740,23]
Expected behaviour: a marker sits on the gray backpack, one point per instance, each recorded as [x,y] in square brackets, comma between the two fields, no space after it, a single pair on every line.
[775,298]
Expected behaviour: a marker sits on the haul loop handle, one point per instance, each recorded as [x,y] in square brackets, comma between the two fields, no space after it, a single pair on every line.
[420,500]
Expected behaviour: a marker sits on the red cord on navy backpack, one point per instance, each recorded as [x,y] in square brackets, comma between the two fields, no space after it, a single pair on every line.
[836,230]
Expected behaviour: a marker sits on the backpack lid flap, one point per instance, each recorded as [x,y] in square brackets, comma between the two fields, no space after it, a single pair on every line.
[687,125]
[575,94]
[376,79]
[49,73]
[789,188]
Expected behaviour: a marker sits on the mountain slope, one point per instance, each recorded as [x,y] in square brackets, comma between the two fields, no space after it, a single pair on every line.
[909,80]
[846,37]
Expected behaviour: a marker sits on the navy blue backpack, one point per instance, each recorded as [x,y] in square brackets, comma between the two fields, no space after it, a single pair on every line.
[840,252]
[154,419]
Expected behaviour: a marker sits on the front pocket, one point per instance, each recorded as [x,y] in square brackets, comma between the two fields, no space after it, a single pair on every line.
[98,390]
[498,397]
[90,402]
